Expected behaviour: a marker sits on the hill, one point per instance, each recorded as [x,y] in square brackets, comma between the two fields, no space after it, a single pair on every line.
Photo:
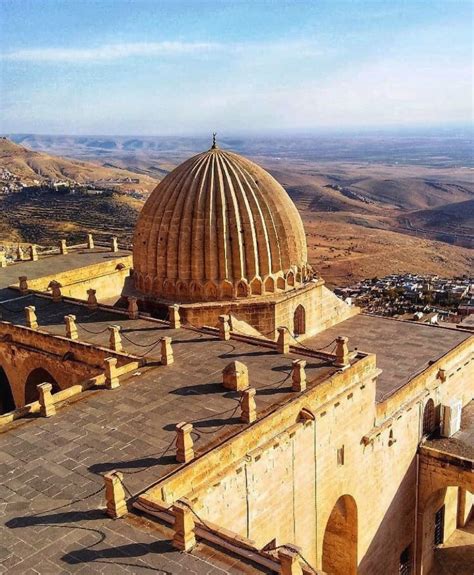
[362,218]
[33,167]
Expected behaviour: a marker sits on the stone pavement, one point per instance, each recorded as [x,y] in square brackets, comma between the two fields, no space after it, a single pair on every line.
[403,348]
[51,469]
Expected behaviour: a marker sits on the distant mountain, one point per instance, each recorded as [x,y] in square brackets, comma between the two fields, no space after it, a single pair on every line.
[363,217]
[31,166]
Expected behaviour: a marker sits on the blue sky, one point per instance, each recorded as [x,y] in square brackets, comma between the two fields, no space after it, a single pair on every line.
[153,67]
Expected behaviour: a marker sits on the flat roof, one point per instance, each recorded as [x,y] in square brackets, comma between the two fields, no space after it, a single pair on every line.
[55,263]
[51,468]
[403,348]
[461,444]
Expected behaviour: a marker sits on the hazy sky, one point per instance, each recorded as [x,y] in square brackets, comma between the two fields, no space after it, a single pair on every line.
[185,67]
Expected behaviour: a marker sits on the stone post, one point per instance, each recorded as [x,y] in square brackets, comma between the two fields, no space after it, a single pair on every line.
[184,537]
[33,253]
[283,341]
[289,562]
[91,298]
[248,406]
[20,256]
[23,284]
[115,341]
[90,242]
[47,408]
[3,260]
[298,375]
[224,327]
[111,375]
[166,351]
[342,352]
[184,442]
[174,318]
[63,247]
[71,327]
[235,376]
[114,244]
[31,319]
[115,494]
[56,291]
[132,308]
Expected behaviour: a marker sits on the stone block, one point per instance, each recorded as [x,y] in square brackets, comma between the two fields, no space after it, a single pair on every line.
[132,308]
[342,352]
[63,247]
[92,298]
[283,341]
[248,406]
[71,327]
[184,537]
[166,351]
[23,284]
[235,376]
[111,375]
[90,242]
[30,316]
[115,494]
[33,253]
[47,408]
[224,327]
[115,340]
[289,561]
[298,375]
[174,317]
[184,442]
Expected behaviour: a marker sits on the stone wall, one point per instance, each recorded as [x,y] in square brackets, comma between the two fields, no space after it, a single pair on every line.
[23,350]
[351,474]
[322,309]
[107,278]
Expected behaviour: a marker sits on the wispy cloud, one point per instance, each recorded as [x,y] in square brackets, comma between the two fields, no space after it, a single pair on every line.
[114,52]
[108,52]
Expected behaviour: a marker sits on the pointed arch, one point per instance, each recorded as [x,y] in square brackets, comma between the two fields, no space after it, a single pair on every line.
[37,376]
[299,320]
[340,538]
[269,285]
[7,403]
[256,286]
[227,289]
[243,289]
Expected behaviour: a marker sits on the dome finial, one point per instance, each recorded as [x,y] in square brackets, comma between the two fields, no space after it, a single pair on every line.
[214,145]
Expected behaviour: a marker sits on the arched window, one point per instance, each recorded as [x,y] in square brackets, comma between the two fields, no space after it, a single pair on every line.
[299,320]
[7,403]
[37,376]
[429,418]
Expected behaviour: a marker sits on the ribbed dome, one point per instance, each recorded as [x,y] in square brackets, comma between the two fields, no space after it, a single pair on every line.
[218,227]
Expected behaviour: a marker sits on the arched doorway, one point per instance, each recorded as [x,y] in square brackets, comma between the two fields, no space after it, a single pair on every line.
[429,418]
[37,376]
[299,320]
[340,538]
[7,403]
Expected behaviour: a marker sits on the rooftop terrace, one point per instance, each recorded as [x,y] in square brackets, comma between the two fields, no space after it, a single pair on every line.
[52,468]
[403,348]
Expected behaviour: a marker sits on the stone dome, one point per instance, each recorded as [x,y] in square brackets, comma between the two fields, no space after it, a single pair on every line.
[218,227]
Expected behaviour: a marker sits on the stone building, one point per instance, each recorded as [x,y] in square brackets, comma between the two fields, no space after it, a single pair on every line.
[209,393]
